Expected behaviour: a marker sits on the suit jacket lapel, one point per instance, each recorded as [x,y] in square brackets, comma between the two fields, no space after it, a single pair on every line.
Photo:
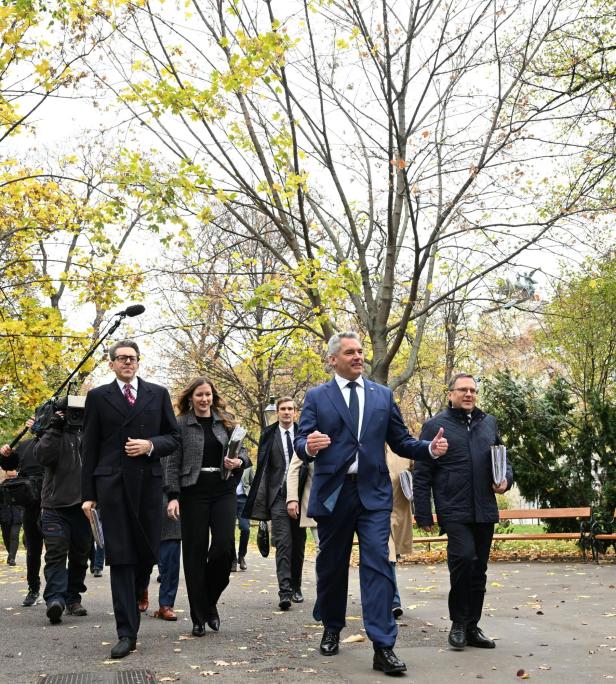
[115,397]
[335,395]
[369,401]
[144,395]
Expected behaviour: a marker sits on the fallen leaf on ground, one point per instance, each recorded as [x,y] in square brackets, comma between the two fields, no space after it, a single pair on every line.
[221,663]
[354,638]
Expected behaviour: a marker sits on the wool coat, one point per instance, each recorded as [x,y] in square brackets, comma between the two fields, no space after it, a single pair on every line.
[128,490]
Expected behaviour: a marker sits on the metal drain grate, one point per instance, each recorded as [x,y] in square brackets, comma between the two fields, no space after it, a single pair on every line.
[121,677]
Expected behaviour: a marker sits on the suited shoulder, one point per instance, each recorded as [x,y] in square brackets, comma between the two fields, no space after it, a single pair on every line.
[152,386]
[375,387]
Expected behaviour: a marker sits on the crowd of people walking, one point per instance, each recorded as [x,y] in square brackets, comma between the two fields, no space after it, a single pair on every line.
[165,486]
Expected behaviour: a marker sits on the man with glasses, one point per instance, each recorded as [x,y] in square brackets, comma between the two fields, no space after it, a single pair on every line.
[465,503]
[129,425]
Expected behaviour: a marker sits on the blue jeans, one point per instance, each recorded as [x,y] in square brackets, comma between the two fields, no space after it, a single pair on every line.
[396,603]
[97,557]
[169,570]
[244,525]
[67,542]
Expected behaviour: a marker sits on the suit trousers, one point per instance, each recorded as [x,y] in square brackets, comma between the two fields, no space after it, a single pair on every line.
[468,550]
[244,525]
[169,571]
[376,578]
[33,539]
[290,542]
[207,507]
[128,582]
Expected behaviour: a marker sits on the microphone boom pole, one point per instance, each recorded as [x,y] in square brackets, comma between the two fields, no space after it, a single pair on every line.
[130,311]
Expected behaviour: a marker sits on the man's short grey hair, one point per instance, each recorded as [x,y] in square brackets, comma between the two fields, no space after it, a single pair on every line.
[334,344]
[122,343]
[456,377]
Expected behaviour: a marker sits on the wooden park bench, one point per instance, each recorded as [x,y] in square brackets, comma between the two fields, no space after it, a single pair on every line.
[582,514]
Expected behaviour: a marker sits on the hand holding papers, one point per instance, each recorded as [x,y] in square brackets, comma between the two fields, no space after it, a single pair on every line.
[499,463]
[232,450]
[97,528]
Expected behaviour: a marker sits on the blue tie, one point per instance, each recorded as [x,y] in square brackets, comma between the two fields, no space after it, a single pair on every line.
[354,407]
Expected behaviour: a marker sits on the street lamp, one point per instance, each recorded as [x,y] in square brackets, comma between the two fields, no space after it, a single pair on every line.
[270,411]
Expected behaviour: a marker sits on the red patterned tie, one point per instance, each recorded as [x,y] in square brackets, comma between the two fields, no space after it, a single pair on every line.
[128,393]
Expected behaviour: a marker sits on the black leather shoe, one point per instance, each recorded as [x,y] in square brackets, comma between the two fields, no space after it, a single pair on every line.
[475,637]
[284,603]
[76,609]
[213,619]
[329,642]
[242,563]
[297,597]
[124,646]
[54,612]
[198,630]
[387,662]
[457,636]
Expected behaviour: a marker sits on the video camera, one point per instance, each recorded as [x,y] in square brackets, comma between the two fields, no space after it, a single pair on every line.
[71,405]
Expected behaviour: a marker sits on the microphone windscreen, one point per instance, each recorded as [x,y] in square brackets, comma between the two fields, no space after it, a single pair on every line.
[134,310]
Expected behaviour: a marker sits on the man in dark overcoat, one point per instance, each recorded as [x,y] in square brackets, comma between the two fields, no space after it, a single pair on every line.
[129,425]
[267,500]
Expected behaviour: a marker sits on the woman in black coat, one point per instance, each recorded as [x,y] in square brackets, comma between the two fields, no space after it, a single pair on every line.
[195,486]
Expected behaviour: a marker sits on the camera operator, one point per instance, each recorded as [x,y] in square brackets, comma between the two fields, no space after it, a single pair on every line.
[23,460]
[66,531]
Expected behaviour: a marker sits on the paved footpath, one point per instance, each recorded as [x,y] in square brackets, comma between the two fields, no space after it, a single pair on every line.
[556,622]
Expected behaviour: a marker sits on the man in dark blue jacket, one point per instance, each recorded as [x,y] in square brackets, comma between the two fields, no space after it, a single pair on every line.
[465,503]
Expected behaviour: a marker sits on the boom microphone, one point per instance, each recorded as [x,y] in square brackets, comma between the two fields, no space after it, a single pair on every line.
[132,310]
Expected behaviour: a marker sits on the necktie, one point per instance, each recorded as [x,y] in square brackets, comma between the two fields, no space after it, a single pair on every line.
[128,393]
[354,407]
[289,447]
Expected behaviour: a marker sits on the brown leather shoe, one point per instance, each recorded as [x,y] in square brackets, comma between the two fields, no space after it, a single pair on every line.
[143,602]
[166,613]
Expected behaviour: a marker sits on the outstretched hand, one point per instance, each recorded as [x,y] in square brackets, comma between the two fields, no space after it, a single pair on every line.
[439,444]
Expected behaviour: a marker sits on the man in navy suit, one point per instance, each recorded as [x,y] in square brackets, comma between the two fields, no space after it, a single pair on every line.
[344,426]
[129,425]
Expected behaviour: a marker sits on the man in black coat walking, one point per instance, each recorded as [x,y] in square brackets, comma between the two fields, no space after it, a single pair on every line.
[267,500]
[464,499]
[129,425]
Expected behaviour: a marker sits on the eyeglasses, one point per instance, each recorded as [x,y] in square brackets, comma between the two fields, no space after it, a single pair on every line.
[465,390]
[126,359]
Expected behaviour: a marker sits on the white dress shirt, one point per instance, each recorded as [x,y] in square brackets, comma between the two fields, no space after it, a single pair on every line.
[283,437]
